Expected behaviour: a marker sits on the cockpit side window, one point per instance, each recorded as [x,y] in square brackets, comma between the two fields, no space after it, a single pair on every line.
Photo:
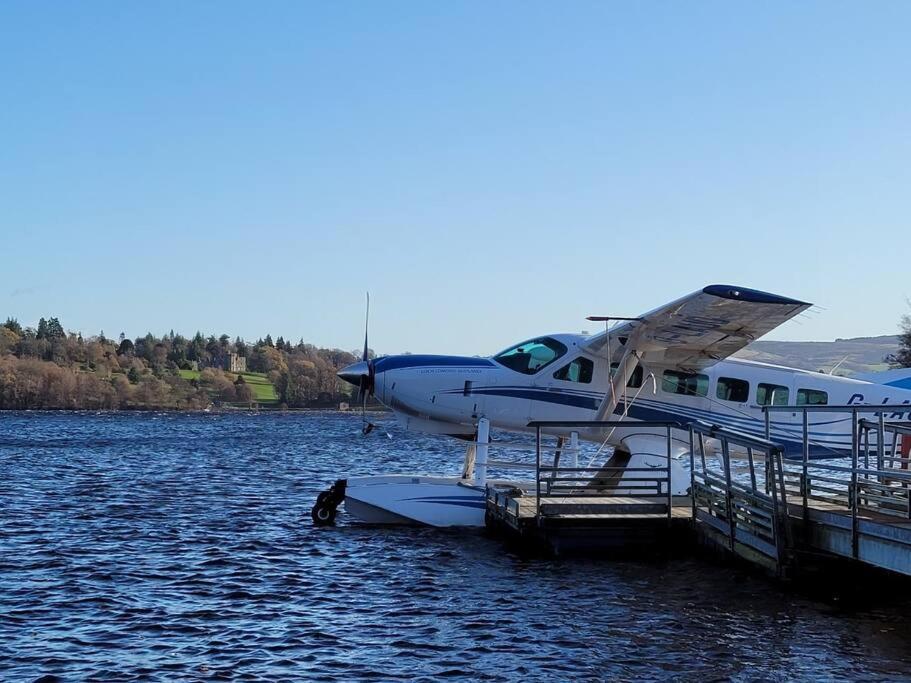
[531,356]
[579,370]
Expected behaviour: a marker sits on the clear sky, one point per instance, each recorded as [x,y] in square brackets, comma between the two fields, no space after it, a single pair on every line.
[489,171]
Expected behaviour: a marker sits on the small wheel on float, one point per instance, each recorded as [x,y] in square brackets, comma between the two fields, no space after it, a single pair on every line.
[323,514]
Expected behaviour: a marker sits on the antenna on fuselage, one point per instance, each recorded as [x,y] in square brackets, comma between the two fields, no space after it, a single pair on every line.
[835,367]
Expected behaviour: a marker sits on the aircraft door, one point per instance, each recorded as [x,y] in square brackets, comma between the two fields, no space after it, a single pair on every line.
[778,390]
[730,397]
[685,393]
[565,393]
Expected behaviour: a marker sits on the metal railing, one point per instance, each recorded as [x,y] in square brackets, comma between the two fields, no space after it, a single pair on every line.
[553,480]
[876,482]
[751,512]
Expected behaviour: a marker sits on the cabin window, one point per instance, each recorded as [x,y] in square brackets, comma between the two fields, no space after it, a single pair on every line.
[686,383]
[812,397]
[579,370]
[531,356]
[732,389]
[772,395]
[634,381]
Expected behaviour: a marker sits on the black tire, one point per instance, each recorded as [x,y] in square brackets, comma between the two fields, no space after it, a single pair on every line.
[322,515]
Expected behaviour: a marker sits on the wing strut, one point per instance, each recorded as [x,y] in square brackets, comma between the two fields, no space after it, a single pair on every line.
[626,366]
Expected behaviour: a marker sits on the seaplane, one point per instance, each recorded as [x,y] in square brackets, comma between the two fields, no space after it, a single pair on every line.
[673,363]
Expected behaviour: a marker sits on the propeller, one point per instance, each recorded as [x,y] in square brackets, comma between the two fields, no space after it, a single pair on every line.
[362,374]
[367,381]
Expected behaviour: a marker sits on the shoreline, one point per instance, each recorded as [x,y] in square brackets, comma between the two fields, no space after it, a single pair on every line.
[193,411]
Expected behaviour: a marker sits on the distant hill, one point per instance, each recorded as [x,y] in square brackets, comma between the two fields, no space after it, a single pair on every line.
[864,354]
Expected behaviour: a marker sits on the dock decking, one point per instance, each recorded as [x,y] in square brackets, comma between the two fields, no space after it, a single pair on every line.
[785,511]
[588,524]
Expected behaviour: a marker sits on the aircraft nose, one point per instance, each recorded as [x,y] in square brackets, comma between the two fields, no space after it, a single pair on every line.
[353,373]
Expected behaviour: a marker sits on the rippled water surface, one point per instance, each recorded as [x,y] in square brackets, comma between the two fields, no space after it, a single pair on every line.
[173,547]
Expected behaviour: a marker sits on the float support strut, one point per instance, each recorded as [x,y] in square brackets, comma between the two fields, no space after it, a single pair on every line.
[480,466]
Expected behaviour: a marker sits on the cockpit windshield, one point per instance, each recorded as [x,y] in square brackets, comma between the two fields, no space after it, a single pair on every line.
[529,357]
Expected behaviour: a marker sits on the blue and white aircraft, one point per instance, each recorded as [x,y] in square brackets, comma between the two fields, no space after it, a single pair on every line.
[672,363]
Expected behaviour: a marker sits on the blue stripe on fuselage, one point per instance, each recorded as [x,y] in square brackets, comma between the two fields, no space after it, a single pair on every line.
[544,396]
[417,361]
[792,446]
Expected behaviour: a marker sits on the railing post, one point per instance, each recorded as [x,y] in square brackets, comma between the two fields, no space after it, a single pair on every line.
[702,451]
[752,468]
[881,446]
[693,475]
[537,473]
[768,437]
[866,429]
[779,463]
[729,504]
[770,476]
[855,446]
[805,484]
[670,495]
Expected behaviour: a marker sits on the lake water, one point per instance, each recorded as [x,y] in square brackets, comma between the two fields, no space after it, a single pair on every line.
[179,547]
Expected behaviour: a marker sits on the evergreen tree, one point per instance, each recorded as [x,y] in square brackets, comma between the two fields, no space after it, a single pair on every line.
[42,329]
[269,341]
[13,325]
[55,329]
[197,348]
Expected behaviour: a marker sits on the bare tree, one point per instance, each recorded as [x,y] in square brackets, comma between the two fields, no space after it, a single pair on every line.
[902,359]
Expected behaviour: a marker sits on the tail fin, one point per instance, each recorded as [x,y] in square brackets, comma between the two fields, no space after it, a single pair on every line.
[900,377]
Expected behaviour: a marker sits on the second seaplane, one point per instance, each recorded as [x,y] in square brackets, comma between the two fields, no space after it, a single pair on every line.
[670,364]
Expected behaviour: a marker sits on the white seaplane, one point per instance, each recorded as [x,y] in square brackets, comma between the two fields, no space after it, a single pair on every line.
[670,364]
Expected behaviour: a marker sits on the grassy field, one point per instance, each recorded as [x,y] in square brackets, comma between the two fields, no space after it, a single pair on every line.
[263,391]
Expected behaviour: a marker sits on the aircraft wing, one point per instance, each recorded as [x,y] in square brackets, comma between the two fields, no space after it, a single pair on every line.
[700,329]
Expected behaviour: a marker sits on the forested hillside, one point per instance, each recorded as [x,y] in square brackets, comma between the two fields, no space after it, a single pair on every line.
[49,368]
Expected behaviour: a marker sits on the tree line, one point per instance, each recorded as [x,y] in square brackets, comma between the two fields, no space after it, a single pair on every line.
[49,368]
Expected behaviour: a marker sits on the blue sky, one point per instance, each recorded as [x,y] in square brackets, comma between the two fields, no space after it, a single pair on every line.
[489,171]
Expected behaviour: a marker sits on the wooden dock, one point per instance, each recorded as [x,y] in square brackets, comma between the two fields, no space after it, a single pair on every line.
[783,513]
[590,525]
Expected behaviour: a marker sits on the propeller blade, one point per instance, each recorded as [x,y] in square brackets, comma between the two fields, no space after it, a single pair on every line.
[366,384]
[366,327]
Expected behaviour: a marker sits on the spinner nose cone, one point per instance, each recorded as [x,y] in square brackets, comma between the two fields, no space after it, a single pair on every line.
[353,373]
